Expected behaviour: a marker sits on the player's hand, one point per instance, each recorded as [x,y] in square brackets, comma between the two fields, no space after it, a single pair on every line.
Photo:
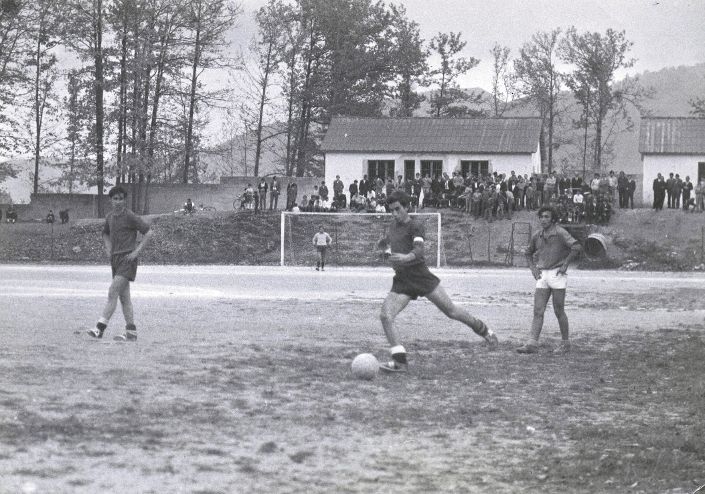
[536,272]
[131,256]
[563,270]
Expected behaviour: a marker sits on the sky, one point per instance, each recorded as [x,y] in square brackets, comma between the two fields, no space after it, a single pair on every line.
[665,33]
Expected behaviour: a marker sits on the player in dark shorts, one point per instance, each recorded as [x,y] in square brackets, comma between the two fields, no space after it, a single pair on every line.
[404,247]
[120,238]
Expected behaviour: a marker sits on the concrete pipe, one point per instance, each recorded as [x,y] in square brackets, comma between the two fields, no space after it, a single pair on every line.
[595,246]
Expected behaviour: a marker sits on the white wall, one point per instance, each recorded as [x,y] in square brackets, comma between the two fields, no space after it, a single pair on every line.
[665,164]
[352,166]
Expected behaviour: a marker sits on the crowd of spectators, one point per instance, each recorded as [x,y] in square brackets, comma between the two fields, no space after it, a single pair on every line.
[491,197]
[681,194]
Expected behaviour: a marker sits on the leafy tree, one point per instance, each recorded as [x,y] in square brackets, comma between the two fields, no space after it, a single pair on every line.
[206,22]
[503,89]
[596,58]
[698,107]
[448,46]
[539,79]
[410,62]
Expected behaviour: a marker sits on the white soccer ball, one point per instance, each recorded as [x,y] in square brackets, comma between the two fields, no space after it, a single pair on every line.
[365,366]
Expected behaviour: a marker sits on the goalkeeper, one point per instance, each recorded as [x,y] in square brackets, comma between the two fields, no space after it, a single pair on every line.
[404,247]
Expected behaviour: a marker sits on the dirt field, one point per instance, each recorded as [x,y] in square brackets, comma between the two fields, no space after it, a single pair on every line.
[240,382]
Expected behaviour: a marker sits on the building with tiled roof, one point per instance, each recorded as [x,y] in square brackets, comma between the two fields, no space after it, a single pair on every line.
[389,147]
[671,145]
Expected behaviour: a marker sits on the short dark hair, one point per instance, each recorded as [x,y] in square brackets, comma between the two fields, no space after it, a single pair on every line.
[552,210]
[117,190]
[399,196]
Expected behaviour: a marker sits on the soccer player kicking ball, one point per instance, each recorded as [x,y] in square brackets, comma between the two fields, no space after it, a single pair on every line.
[120,238]
[404,247]
[550,252]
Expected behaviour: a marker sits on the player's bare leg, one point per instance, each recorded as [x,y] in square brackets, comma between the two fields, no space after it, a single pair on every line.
[393,304]
[116,288]
[541,296]
[559,310]
[440,299]
[130,333]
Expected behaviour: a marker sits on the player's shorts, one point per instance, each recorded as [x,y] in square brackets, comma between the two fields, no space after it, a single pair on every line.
[322,248]
[551,279]
[415,281]
[122,266]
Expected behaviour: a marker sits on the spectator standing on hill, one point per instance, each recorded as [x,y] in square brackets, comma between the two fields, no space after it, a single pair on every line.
[323,191]
[550,252]
[274,193]
[321,240]
[631,188]
[622,189]
[612,184]
[262,189]
[659,188]
[404,247]
[379,186]
[529,195]
[687,192]
[700,195]
[669,189]
[549,188]
[120,239]
[364,186]
[353,190]
[292,191]
[338,188]
[677,190]
[595,184]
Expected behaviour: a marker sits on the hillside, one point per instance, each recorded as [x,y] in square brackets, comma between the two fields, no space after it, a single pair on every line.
[639,239]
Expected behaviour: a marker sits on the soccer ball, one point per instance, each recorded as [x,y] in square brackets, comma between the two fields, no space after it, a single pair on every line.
[365,366]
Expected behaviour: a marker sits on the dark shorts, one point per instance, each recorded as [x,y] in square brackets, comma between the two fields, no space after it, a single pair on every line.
[322,248]
[121,266]
[414,281]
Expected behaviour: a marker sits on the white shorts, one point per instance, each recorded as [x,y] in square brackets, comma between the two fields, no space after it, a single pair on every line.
[551,279]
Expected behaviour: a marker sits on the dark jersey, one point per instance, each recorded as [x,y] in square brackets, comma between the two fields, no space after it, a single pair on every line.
[123,229]
[401,239]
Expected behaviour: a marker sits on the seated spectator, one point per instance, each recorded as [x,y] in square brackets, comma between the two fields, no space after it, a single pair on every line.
[380,208]
[11,215]
[50,217]
[249,197]
[189,206]
[64,216]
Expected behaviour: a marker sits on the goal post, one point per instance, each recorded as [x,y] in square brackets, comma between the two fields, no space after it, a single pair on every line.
[354,237]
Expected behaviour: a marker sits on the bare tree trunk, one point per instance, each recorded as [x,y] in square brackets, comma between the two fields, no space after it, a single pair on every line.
[192,104]
[99,112]
[262,101]
[37,115]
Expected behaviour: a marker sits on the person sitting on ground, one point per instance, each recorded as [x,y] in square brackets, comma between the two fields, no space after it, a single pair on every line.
[64,216]
[50,217]
[189,206]
[11,215]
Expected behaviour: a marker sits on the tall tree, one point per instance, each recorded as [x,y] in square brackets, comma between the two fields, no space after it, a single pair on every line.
[448,47]
[410,58]
[596,58]
[85,36]
[502,79]
[44,36]
[539,79]
[207,22]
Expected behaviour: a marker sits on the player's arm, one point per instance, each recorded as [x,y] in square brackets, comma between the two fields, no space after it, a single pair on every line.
[575,250]
[106,238]
[530,251]
[147,234]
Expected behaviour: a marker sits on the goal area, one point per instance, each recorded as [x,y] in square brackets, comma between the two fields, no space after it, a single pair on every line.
[354,237]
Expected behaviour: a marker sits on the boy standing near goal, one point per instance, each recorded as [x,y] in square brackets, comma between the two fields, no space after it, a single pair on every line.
[550,252]
[404,247]
[321,240]
[120,238]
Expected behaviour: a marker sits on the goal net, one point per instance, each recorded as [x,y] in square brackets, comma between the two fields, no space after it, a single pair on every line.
[354,237]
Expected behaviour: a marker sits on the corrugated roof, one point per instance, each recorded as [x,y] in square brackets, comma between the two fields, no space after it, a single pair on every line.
[672,136]
[433,135]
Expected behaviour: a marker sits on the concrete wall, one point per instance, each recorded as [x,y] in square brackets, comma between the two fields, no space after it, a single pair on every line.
[163,198]
[665,164]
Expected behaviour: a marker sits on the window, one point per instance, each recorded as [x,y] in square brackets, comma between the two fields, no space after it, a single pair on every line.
[380,168]
[476,168]
[431,168]
[409,169]
[701,171]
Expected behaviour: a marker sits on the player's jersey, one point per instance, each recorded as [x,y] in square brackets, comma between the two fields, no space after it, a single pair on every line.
[321,239]
[123,229]
[401,238]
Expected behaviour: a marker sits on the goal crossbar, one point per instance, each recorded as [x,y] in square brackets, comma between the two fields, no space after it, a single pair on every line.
[284,214]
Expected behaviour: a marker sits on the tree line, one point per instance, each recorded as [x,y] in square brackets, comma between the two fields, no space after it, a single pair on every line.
[135,91]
